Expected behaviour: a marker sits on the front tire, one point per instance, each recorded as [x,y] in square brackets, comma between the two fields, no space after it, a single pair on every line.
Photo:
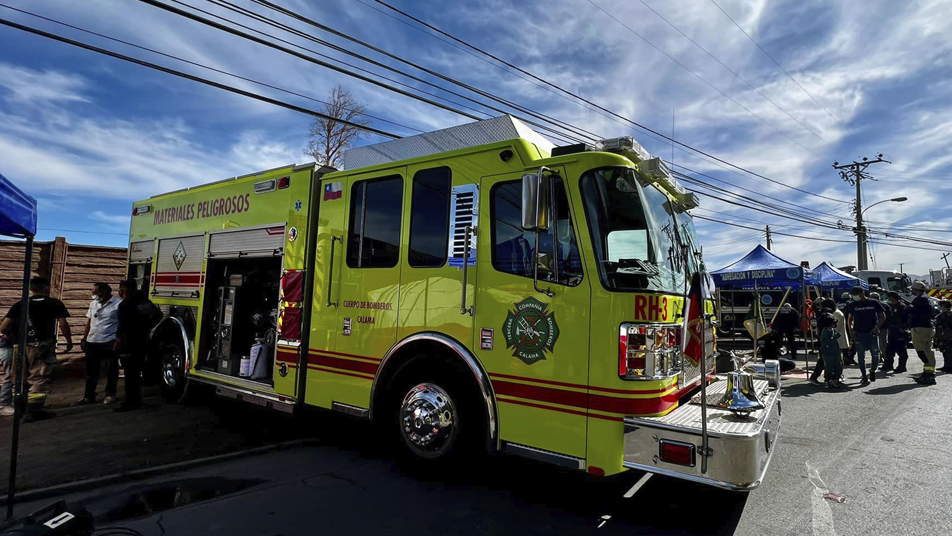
[435,418]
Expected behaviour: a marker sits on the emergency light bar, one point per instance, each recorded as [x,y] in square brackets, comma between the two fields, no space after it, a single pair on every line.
[626,146]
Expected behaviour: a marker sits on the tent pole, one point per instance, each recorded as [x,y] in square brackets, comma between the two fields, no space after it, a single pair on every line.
[804,291]
[734,322]
[19,394]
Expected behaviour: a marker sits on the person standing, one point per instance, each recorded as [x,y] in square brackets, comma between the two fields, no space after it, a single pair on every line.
[876,296]
[866,318]
[44,313]
[785,326]
[920,320]
[832,372]
[897,334]
[843,341]
[943,334]
[829,349]
[137,316]
[99,343]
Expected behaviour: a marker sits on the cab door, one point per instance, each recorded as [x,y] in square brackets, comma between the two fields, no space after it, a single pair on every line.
[355,319]
[534,344]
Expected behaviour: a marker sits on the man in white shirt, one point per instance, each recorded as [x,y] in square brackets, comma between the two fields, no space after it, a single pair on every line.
[99,343]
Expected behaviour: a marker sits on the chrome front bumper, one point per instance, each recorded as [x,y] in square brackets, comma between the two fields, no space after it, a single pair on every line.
[740,448]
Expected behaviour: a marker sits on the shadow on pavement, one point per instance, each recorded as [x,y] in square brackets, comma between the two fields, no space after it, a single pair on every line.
[795,390]
[895,388]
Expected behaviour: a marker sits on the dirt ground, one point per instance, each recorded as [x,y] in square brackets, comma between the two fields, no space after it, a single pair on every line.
[80,442]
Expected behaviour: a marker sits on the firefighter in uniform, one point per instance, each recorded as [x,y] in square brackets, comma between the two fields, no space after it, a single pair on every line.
[897,316]
[920,320]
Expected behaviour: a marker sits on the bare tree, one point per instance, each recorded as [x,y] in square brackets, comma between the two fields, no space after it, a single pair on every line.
[329,138]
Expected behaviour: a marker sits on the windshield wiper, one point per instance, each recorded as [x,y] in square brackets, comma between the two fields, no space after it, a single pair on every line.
[637,267]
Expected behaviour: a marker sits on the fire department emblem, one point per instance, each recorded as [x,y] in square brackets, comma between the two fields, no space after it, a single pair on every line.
[530,331]
[179,256]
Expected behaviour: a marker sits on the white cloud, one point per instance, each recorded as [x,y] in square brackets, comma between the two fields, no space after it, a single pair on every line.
[28,86]
[114,220]
[882,68]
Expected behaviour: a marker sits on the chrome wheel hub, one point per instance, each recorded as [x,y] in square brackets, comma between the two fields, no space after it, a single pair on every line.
[428,420]
[171,365]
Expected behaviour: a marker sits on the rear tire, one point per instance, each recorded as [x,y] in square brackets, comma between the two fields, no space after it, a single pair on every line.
[434,416]
[172,363]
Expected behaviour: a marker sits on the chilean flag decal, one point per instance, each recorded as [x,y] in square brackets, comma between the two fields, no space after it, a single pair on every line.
[694,320]
[333,190]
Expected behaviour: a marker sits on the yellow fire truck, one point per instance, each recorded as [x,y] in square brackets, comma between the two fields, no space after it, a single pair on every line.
[469,289]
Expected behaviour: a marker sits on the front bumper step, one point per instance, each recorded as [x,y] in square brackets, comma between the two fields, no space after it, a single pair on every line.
[740,448]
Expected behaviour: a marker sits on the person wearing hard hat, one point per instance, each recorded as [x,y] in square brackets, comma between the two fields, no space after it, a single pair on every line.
[920,320]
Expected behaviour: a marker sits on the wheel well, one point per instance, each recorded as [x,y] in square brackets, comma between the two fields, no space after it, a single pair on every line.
[432,353]
[170,329]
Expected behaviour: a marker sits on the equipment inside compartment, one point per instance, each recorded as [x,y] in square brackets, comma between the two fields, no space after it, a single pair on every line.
[240,316]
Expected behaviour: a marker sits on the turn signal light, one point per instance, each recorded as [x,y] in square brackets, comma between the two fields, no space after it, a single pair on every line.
[677,452]
[284,182]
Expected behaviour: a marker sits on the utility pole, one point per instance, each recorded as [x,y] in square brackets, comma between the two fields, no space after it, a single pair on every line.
[768,237]
[854,174]
[900,267]
[946,259]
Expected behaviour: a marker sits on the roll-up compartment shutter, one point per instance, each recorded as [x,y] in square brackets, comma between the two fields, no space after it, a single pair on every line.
[259,242]
[179,265]
[141,252]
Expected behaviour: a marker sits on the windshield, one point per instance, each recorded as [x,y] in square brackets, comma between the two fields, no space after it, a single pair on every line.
[897,284]
[636,239]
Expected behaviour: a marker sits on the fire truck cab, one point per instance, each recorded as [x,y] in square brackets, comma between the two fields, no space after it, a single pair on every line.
[468,289]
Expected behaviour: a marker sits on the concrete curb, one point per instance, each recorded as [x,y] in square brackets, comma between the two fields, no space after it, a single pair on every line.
[147,472]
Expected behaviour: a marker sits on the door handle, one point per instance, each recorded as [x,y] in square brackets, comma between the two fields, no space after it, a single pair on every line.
[467,237]
[330,270]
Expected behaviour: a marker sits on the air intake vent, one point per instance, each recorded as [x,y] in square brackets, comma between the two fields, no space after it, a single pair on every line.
[464,213]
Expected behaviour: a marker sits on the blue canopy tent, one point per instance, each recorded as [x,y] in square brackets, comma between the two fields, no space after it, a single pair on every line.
[18,219]
[833,279]
[763,269]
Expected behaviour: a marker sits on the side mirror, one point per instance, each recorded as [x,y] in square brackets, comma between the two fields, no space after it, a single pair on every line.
[535,201]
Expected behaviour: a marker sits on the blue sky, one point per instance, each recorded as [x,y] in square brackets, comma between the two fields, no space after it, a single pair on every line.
[87,135]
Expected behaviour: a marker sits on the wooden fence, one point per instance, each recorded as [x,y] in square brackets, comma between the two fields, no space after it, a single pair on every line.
[71,268]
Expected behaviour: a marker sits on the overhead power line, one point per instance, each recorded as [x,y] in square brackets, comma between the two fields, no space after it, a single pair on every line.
[772,232]
[269,41]
[600,107]
[577,134]
[578,131]
[207,67]
[192,77]
[777,63]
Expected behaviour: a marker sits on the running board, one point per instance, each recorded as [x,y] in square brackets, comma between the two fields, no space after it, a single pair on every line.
[257,399]
[546,456]
[353,411]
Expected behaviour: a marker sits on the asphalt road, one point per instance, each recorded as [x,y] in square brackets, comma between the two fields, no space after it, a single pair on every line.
[881,447]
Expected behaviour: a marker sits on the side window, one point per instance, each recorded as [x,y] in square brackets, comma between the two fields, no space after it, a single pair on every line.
[514,248]
[373,239]
[430,218]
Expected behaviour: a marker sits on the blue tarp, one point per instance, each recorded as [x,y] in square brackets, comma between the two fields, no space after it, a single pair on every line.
[17,211]
[762,269]
[834,279]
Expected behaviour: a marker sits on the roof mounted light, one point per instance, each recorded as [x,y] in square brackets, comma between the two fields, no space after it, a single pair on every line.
[626,146]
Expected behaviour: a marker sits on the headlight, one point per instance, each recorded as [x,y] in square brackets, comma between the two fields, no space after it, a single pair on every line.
[649,352]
